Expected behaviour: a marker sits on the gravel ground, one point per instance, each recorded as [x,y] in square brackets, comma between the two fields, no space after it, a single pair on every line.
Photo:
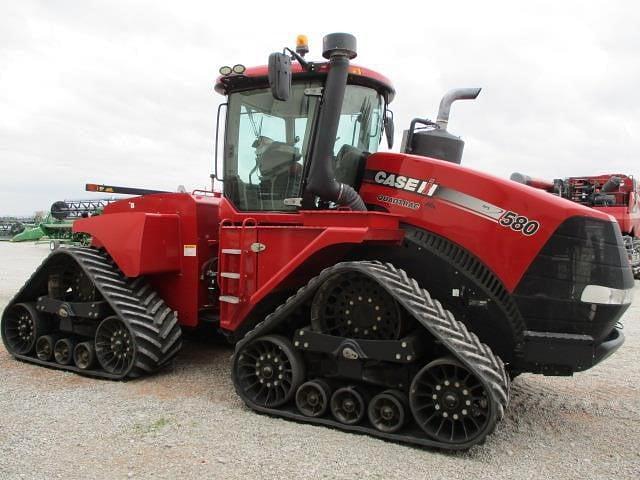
[187,422]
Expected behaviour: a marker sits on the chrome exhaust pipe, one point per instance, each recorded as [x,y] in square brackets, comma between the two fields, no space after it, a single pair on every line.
[450,97]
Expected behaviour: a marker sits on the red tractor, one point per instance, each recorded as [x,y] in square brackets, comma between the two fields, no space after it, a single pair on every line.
[615,194]
[322,261]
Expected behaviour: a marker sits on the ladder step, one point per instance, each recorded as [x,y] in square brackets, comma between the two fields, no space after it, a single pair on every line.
[229,299]
[231,251]
[230,275]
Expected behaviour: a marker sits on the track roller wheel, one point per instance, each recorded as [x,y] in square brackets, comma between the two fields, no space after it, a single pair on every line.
[312,398]
[348,405]
[115,346]
[268,371]
[63,351]
[387,411]
[21,326]
[84,355]
[44,347]
[450,404]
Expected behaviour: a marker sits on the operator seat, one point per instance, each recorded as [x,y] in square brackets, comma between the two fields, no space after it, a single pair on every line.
[349,165]
[280,173]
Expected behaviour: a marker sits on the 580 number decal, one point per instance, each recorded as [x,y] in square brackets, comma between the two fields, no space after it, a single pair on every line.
[519,223]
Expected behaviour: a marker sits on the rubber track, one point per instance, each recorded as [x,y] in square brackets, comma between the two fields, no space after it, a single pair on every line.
[154,325]
[463,344]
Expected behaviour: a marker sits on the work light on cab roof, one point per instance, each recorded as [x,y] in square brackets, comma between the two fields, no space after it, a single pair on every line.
[238,69]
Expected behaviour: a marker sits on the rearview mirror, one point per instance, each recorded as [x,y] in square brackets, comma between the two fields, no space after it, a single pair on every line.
[280,76]
[389,128]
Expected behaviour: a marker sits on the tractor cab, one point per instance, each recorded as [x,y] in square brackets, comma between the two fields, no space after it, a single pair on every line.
[271,138]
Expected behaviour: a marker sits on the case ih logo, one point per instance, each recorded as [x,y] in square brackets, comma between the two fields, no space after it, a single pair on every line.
[401,182]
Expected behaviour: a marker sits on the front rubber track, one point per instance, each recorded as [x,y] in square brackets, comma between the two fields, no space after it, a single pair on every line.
[461,343]
[154,326]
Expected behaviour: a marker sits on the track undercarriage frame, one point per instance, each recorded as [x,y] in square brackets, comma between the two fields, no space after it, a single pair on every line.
[363,384]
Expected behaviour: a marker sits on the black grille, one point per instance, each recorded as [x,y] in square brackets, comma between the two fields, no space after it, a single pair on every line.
[583,251]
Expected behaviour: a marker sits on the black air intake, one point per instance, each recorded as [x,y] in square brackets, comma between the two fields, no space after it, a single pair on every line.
[339,48]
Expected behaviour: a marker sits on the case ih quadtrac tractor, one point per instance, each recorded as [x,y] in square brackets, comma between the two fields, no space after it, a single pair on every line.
[615,194]
[393,294]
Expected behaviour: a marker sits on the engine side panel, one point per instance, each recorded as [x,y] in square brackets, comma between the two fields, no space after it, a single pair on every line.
[503,223]
[543,249]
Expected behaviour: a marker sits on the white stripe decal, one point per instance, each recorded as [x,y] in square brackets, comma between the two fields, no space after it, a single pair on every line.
[470,204]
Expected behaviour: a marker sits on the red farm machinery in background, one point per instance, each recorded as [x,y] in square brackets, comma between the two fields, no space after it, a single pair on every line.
[615,194]
[393,294]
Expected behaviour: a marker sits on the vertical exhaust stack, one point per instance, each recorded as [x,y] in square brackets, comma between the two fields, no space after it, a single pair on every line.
[438,142]
[448,99]
[339,48]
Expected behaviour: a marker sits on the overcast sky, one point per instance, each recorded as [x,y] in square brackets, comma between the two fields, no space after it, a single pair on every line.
[121,92]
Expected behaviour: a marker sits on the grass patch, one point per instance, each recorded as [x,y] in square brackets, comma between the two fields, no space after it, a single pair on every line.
[152,427]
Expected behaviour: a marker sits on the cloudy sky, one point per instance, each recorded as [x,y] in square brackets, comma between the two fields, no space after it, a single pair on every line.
[121,92]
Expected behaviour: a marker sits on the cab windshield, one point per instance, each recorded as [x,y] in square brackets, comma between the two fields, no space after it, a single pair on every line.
[267,141]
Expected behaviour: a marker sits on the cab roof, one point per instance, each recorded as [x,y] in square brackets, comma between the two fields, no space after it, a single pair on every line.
[256,77]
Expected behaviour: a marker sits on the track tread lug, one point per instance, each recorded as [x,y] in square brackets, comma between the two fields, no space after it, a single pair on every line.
[168,327]
[160,319]
[156,306]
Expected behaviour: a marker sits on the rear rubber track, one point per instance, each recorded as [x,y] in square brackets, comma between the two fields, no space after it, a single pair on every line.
[153,325]
[454,335]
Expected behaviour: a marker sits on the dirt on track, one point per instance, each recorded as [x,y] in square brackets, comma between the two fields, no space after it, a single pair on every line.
[188,422]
